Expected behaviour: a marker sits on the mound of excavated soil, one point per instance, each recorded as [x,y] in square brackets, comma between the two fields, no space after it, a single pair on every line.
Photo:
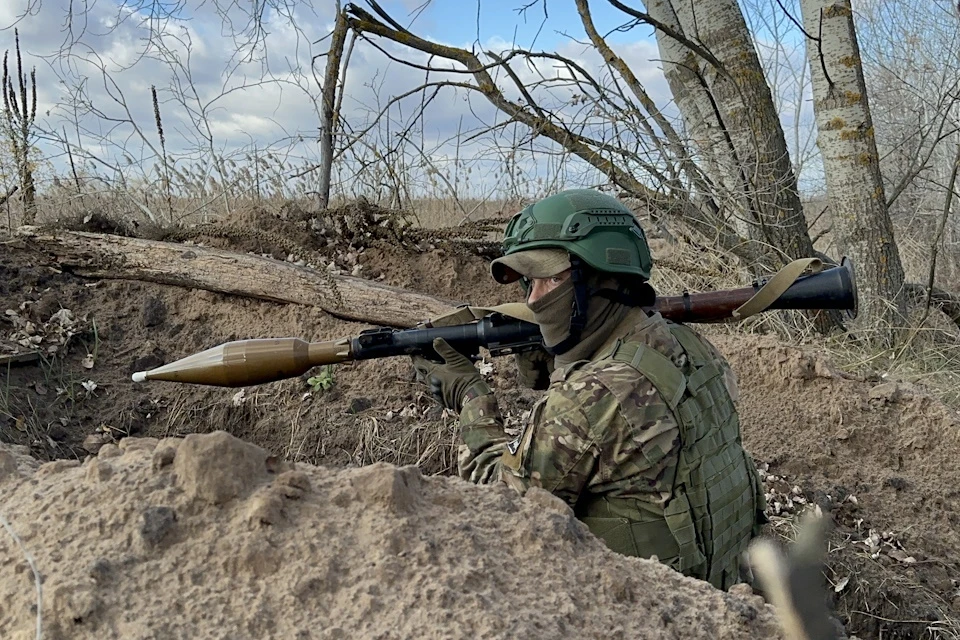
[210,537]
[881,458]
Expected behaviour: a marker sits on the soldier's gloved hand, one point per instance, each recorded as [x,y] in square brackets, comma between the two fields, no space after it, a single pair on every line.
[453,381]
[534,368]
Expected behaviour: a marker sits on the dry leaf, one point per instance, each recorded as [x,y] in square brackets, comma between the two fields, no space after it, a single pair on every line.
[837,588]
[902,556]
[239,397]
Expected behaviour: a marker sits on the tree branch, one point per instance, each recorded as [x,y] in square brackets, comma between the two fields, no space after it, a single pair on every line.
[584,148]
[935,246]
[9,194]
[679,37]
[621,67]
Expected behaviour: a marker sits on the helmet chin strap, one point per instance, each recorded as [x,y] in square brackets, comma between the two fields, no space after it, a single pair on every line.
[578,316]
[645,296]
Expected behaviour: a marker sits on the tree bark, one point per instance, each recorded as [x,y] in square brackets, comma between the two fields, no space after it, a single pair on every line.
[730,112]
[116,257]
[728,109]
[700,118]
[854,185]
[328,112]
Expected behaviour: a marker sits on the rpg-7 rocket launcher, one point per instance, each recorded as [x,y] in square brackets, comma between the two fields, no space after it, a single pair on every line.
[258,361]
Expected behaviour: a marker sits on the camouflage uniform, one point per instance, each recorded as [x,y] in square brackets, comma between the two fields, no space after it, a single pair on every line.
[605,440]
[637,431]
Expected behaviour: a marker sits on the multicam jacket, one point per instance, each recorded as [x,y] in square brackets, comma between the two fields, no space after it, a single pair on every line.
[642,442]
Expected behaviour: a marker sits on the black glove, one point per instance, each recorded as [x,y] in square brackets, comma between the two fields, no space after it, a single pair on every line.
[534,368]
[453,381]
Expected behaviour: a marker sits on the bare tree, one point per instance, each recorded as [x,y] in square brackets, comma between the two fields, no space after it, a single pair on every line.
[911,60]
[329,112]
[715,74]
[851,163]
[784,59]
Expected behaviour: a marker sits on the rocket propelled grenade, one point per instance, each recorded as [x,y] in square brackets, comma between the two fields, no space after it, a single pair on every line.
[258,361]
[248,362]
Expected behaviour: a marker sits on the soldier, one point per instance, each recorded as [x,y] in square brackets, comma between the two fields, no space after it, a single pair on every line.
[637,431]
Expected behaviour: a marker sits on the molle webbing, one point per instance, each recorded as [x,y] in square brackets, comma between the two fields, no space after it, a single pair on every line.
[712,512]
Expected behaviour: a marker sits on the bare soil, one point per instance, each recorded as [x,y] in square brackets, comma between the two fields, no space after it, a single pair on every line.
[209,537]
[876,454]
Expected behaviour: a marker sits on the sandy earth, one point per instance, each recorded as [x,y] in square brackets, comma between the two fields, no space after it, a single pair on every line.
[210,537]
[131,541]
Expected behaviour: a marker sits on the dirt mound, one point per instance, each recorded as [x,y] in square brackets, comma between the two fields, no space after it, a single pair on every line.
[209,536]
[880,456]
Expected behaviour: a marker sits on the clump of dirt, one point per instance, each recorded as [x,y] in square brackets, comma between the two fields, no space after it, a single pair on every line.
[210,536]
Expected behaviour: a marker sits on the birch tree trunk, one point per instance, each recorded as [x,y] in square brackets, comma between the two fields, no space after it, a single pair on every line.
[700,117]
[728,109]
[730,112]
[855,190]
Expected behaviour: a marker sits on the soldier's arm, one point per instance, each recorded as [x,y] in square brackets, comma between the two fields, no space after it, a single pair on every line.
[582,440]
[555,451]
[558,448]
[576,438]
[484,440]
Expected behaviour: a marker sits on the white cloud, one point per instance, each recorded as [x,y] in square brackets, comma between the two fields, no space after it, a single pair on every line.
[13,10]
[274,113]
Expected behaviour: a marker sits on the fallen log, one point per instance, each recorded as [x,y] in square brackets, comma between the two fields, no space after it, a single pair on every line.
[95,255]
[947,302]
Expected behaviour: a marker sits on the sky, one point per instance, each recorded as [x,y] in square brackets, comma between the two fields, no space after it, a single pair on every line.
[540,26]
[209,76]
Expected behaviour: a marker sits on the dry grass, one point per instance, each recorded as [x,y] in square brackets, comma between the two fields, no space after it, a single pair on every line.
[428,444]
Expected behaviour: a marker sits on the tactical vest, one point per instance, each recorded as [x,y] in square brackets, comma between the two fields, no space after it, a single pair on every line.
[717,502]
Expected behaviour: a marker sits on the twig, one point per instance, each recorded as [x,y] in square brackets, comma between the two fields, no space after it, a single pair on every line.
[698,49]
[33,567]
[12,190]
[823,61]
[935,247]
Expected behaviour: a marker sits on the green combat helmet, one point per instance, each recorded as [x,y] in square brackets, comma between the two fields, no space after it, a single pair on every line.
[590,225]
[576,229]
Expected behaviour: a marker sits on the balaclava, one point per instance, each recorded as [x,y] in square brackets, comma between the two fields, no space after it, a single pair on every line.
[553,312]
